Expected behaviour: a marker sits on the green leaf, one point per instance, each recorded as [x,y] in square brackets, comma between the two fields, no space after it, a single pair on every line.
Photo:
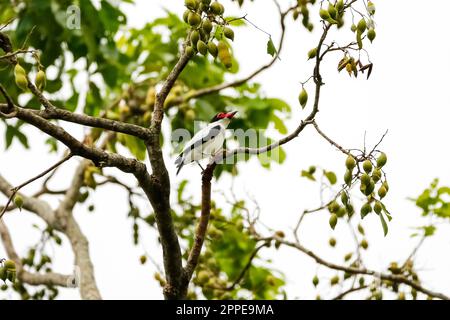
[331,176]
[271,47]
[384,224]
[429,230]
[181,188]
[279,124]
[308,175]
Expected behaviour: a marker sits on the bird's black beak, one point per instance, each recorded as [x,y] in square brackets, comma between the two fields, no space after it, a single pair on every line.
[231,114]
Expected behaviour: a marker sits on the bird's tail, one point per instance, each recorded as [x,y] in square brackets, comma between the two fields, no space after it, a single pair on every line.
[179,162]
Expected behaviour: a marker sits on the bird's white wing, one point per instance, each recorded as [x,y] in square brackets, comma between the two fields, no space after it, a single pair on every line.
[203,136]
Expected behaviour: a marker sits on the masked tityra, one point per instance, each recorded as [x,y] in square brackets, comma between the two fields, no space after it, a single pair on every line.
[206,142]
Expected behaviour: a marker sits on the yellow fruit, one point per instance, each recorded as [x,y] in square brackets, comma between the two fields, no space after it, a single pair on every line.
[150,97]
[18,201]
[202,47]
[194,19]
[333,221]
[41,80]
[303,98]
[9,265]
[280,234]
[212,48]
[312,53]
[228,33]
[21,80]
[224,54]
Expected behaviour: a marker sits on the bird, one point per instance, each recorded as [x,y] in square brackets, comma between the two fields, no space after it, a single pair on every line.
[205,142]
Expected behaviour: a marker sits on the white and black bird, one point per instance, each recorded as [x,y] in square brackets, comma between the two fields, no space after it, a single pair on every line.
[205,142]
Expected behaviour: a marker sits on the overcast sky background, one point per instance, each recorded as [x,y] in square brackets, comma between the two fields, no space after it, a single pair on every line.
[407,94]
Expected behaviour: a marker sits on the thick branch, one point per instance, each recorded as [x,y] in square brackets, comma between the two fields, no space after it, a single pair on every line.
[202,226]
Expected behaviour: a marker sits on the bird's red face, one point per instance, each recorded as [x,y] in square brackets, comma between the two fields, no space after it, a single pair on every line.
[224,115]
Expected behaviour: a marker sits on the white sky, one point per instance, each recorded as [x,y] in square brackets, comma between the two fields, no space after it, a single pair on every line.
[407,94]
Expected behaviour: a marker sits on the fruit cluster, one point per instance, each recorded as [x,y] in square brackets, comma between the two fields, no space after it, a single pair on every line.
[202,16]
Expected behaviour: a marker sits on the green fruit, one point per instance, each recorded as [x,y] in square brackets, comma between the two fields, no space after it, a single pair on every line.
[369,188]
[228,33]
[324,14]
[315,281]
[348,177]
[359,39]
[334,280]
[344,197]
[186,15]
[4,287]
[371,34]
[312,169]
[350,162]
[371,8]
[18,201]
[212,48]
[332,242]
[191,4]
[303,98]
[377,207]
[376,175]
[41,80]
[202,47]
[333,221]
[348,256]
[365,179]
[3,274]
[202,277]
[333,206]
[350,210]
[194,19]
[341,212]
[385,184]
[362,25]
[332,11]
[206,2]
[382,192]
[312,53]
[143,259]
[207,26]
[224,54]
[381,160]
[195,37]
[354,27]
[365,210]
[217,8]
[364,244]
[340,5]
[367,166]
[189,51]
